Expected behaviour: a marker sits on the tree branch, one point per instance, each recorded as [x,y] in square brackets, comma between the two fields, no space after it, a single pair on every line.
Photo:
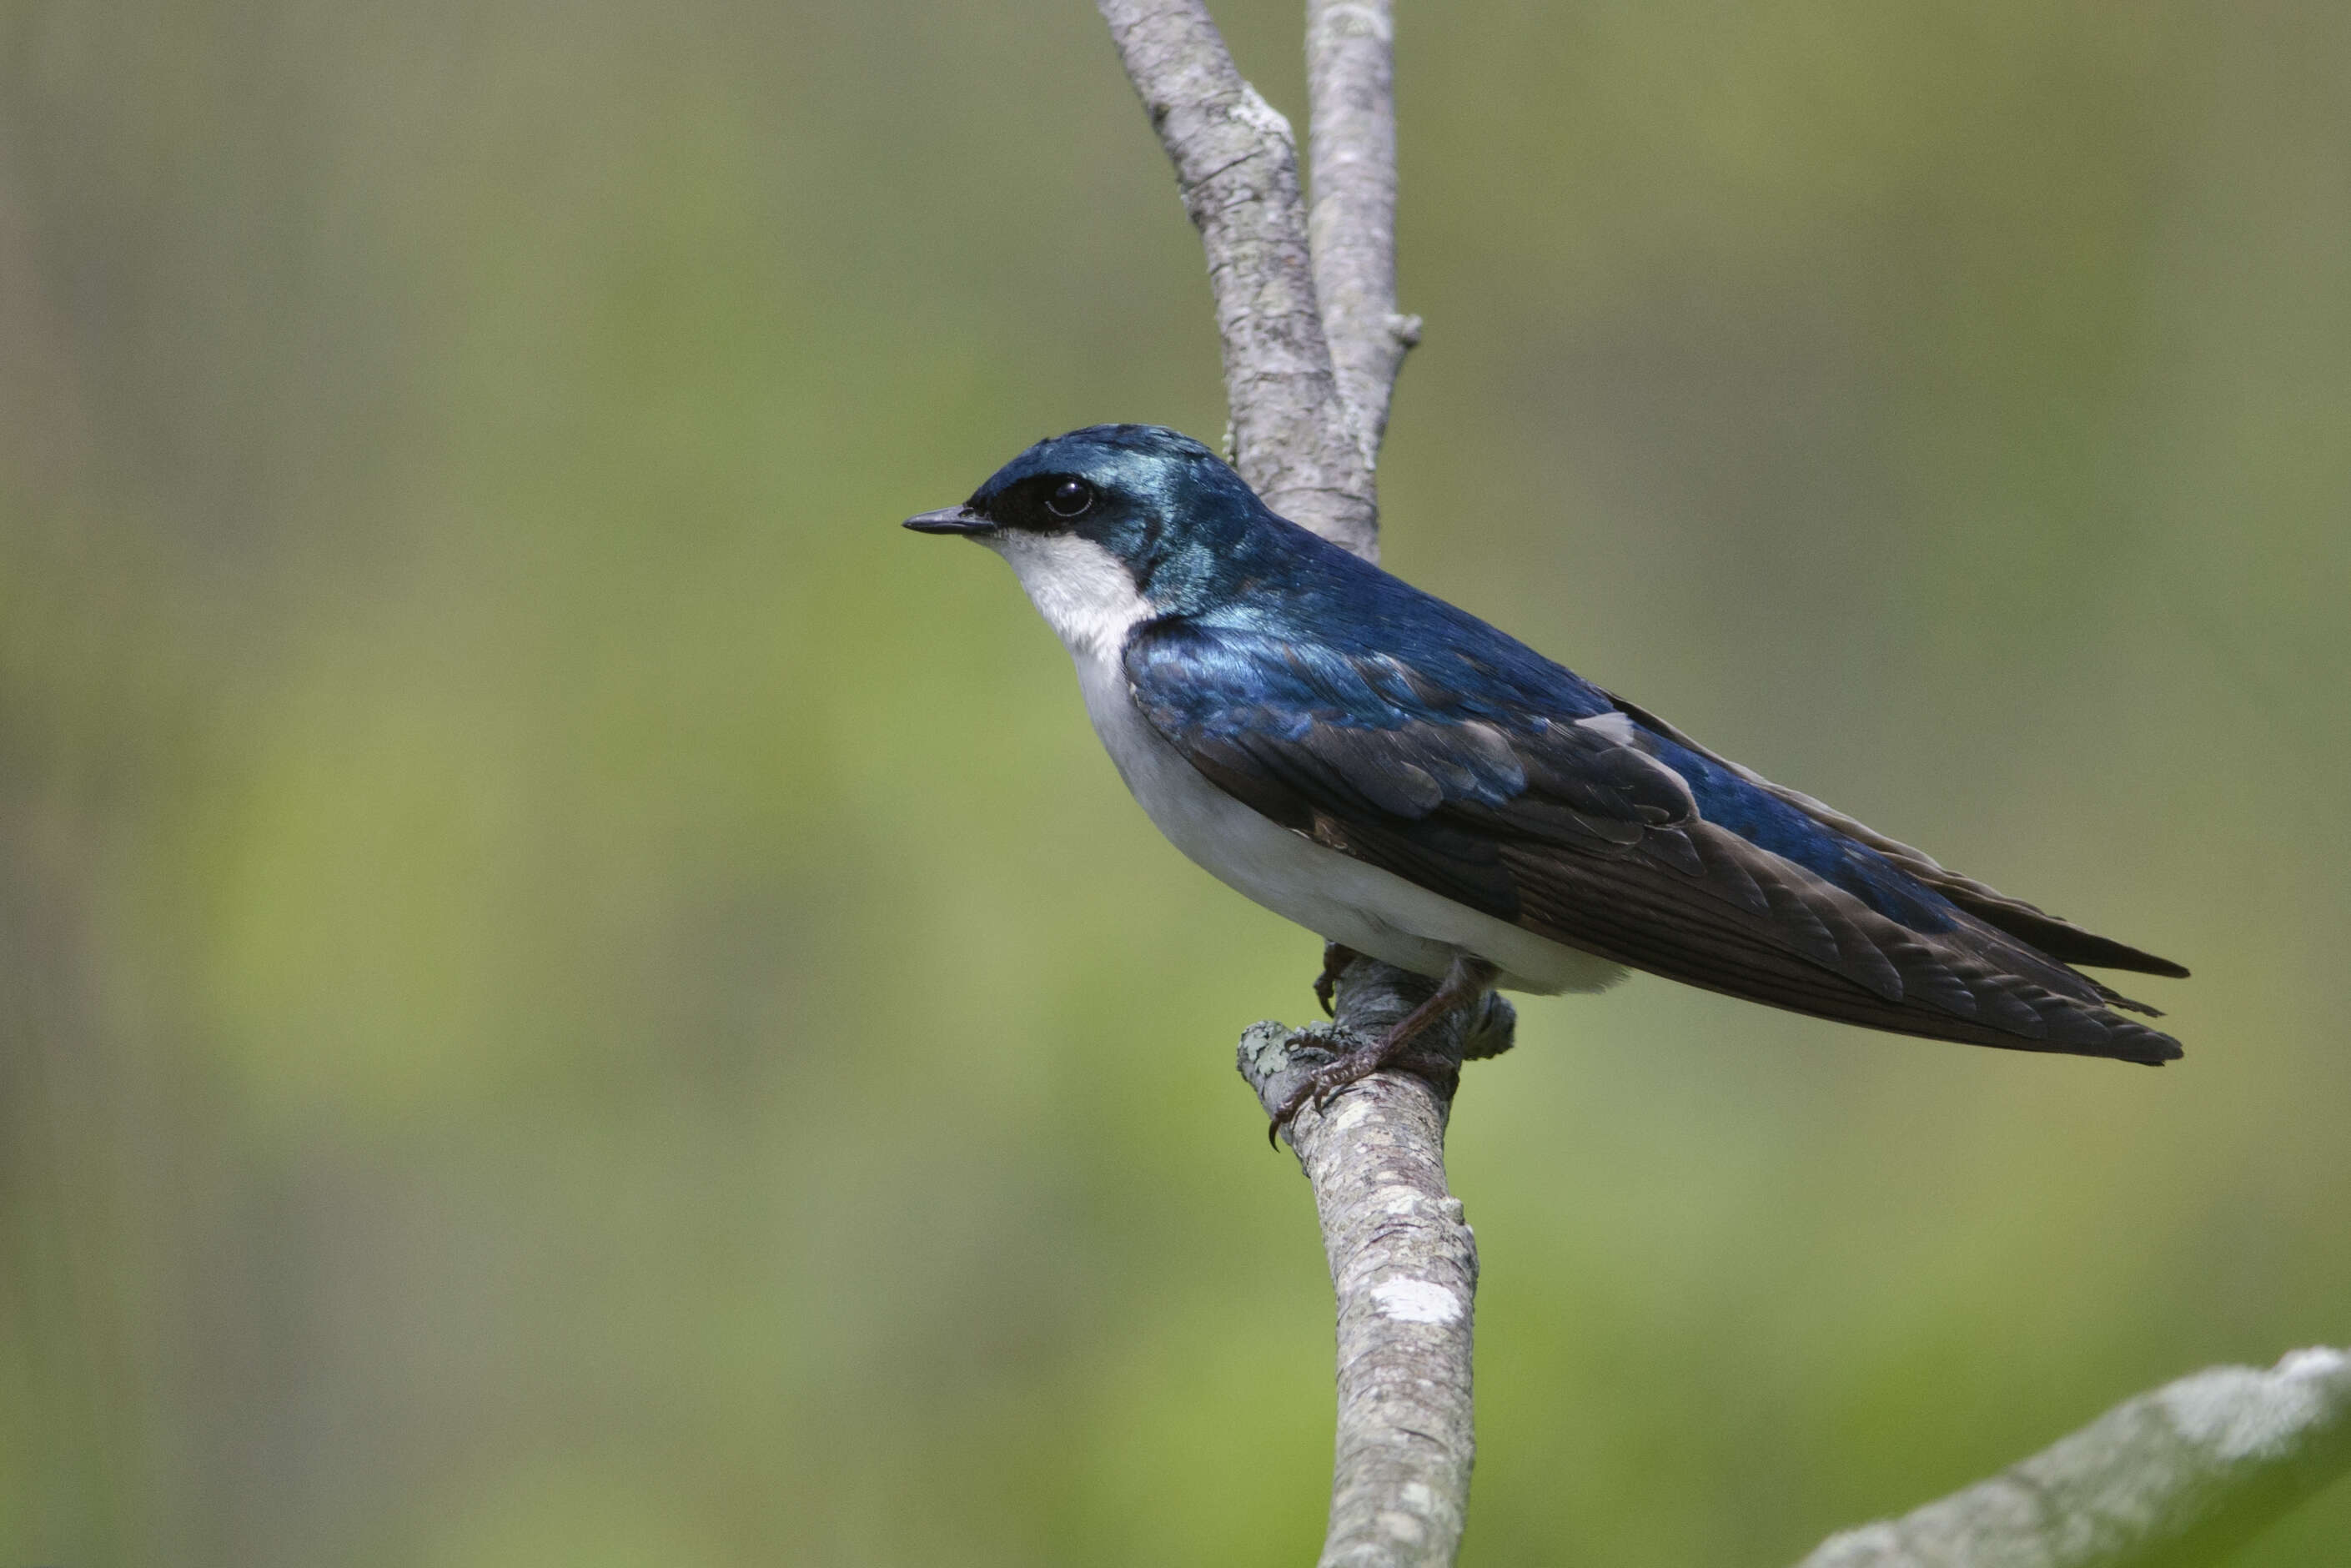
[2171,1477]
[1237,168]
[1352,145]
[2179,1475]
[1404,1266]
[1306,436]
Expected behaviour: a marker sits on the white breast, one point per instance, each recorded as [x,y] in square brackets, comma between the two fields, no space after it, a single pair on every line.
[1087,597]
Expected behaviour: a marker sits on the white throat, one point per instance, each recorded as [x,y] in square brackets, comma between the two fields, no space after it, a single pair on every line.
[1082,591]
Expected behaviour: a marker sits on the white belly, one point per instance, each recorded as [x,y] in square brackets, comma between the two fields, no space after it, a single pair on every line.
[1338,897]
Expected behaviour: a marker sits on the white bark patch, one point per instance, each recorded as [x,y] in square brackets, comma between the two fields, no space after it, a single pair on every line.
[2237,1413]
[2319,1361]
[1415,1302]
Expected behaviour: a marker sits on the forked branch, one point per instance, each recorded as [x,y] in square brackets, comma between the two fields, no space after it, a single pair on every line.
[1237,168]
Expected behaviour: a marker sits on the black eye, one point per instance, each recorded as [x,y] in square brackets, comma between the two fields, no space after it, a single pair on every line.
[1070,497]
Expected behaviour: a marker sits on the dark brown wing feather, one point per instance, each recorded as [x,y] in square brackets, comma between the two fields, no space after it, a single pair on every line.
[1815,948]
[1569,827]
[2060,939]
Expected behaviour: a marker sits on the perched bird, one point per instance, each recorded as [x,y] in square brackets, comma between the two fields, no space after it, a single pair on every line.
[1411,784]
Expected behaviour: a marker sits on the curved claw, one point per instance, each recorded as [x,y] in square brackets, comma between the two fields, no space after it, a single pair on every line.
[1326,1083]
[1311,1090]
[1335,959]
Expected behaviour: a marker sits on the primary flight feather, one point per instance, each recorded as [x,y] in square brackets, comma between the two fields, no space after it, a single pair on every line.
[1411,784]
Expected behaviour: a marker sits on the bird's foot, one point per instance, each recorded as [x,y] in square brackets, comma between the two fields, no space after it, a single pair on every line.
[1336,956]
[1324,1083]
[1465,982]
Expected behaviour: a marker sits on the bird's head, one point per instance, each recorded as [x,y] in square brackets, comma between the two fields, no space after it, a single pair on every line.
[1110,524]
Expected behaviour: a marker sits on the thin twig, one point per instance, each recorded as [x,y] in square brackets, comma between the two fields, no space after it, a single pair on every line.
[1351,226]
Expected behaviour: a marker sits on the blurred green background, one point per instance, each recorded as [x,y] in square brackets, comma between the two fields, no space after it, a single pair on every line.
[572,995]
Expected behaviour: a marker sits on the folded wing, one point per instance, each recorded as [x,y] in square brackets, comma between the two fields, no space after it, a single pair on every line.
[1589,822]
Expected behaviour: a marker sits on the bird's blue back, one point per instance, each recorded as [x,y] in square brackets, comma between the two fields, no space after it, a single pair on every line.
[1301,632]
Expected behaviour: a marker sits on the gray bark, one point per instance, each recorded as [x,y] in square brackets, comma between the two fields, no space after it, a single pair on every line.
[1404,1266]
[2179,1476]
[1237,170]
[1308,378]
[1351,226]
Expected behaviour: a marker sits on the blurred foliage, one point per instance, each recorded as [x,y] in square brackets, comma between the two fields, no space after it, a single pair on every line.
[574,997]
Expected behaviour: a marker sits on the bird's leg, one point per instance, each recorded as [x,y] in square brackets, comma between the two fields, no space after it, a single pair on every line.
[1466,980]
[1336,956]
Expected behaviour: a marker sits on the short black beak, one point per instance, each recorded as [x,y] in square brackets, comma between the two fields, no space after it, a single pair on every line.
[950,521]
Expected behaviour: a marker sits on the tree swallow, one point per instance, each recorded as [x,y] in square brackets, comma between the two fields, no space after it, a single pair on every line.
[1414,785]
